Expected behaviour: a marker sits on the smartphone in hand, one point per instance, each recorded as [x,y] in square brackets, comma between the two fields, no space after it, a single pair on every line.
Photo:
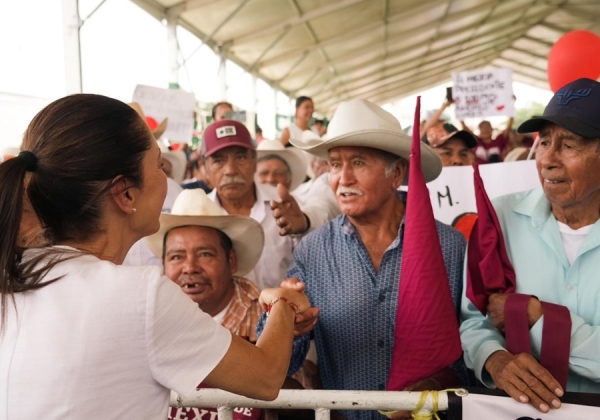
[449,94]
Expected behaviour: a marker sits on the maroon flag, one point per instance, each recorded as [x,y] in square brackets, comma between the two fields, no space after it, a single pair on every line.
[426,339]
[490,271]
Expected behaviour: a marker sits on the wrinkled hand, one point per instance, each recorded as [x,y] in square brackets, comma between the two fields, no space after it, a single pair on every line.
[524,379]
[287,213]
[495,309]
[427,384]
[306,320]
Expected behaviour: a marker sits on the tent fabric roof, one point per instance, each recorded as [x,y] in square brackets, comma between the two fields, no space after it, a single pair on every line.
[380,50]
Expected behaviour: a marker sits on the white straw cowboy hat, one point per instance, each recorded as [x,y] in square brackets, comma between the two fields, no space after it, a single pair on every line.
[293,157]
[177,159]
[310,137]
[194,208]
[359,122]
[158,131]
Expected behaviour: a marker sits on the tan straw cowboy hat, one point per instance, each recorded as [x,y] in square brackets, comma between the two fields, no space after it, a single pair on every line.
[194,208]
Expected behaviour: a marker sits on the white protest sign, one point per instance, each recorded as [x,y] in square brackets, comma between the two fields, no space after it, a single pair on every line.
[453,194]
[175,104]
[247,118]
[476,407]
[483,93]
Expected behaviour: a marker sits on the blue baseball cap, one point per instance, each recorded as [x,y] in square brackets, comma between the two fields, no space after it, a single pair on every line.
[575,107]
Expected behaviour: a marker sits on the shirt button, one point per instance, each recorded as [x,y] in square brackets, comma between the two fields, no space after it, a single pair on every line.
[570,288]
[380,343]
[381,387]
[381,297]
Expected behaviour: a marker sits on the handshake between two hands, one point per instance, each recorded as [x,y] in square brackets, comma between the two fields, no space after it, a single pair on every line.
[293,291]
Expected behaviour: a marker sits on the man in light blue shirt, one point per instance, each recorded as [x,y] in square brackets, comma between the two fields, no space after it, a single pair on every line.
[553,241]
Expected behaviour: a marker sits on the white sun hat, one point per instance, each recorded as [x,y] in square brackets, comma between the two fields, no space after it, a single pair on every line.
[194,208]
[358,122]
[292,156]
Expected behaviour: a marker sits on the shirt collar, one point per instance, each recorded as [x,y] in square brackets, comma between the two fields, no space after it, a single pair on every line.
[349,230]
[245,291]
[258,211]
[535,205]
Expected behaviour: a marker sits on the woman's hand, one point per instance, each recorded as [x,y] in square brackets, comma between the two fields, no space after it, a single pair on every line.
[299,299]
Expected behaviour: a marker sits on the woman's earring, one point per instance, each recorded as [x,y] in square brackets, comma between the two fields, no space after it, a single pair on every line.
[133,210]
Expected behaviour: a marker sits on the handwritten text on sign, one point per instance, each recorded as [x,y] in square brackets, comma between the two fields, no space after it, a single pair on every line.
[483,93]
[452,194]
[174,104]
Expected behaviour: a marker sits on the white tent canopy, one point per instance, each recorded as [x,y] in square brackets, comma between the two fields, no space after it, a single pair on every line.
[380,50]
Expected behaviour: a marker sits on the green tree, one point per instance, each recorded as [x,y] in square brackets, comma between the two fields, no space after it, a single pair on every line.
[525,113]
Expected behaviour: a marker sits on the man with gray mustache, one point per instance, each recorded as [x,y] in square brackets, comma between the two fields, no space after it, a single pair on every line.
[230,161]
[349,267]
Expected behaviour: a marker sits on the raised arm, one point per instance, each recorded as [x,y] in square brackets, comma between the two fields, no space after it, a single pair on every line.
[506,132]
[465,127]
[285,136]
[433,120]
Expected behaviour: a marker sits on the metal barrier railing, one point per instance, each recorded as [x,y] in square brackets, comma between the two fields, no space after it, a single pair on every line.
[321,401]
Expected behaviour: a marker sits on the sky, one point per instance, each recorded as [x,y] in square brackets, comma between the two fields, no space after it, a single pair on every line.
[123,46]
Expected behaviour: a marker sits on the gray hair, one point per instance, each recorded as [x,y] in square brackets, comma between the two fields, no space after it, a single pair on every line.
[391,162]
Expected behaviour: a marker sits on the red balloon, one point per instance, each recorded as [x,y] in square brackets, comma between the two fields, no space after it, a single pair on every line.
[574,56]
[151,123]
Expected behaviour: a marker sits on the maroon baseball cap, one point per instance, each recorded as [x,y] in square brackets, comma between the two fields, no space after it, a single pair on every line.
[225,133]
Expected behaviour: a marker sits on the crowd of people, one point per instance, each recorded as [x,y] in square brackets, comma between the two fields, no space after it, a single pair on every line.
[278,265]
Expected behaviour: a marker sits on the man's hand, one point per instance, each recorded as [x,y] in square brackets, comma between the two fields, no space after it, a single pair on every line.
[495,309]
[306,320]
[287,213]
[524,379]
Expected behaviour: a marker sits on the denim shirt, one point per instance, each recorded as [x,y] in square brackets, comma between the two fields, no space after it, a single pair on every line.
[355,332]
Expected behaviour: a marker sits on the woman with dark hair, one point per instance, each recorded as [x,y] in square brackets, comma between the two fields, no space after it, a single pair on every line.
[80,335]
[304,112]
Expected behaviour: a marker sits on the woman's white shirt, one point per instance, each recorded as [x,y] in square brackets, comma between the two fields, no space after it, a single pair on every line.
[104,342]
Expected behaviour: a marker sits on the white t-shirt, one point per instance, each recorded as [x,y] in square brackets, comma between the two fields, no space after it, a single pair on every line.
[104,342]
[572,239]
[295,132]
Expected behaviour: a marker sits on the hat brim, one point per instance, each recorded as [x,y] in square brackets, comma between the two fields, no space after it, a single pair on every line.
[467,137]
[567,122]
[246,234]
[396,143]
[178,162]
[295,159]
[160,130]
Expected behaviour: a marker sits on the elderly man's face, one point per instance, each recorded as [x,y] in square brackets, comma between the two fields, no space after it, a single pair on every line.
[273,171]
[568,166]
[231,172]
[196,261]
[454,152]
[358,179]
